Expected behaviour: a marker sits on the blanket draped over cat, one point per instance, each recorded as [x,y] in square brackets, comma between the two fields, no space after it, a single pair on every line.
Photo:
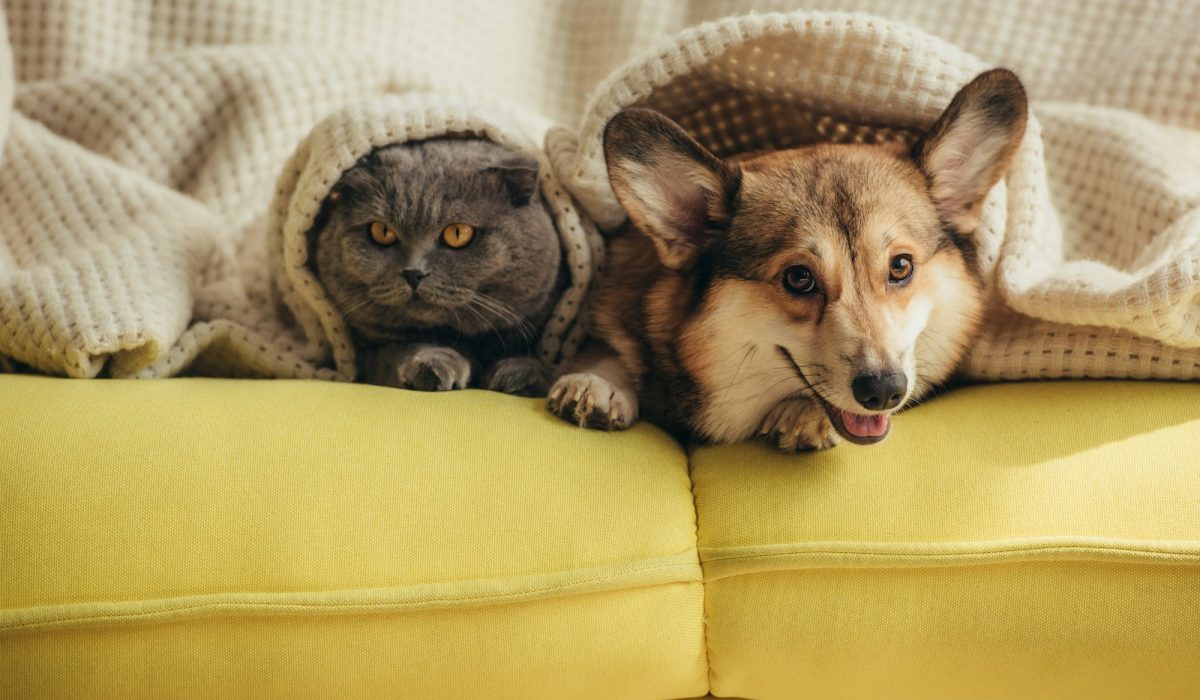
[334,146]
[160,165]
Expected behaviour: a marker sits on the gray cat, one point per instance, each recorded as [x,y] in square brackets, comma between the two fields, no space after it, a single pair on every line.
[445,264]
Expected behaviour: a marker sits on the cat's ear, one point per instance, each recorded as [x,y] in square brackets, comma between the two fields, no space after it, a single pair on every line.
[354,177]
[519,176]
[328,205]
[673,189]
[971,145]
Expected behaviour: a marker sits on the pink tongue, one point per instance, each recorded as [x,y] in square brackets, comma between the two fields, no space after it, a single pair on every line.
[865,426]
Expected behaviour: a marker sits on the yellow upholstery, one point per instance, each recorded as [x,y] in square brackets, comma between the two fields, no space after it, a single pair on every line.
[253,539]
[212,538]
[1022,541]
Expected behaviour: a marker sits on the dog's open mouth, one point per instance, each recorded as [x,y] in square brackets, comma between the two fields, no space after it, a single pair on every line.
[855,427]
[860,429]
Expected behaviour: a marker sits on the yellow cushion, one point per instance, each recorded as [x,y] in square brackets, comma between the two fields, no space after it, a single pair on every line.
[217,538]
[214,538]
[1020,541]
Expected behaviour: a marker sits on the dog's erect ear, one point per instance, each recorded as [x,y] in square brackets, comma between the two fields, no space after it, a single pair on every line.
[971,145]
[674,190]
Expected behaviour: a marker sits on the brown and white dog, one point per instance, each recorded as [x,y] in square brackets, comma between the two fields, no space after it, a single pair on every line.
[799,295]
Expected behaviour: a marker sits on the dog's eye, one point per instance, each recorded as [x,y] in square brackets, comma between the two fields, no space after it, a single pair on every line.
[798,279]
[383,234]
[902,269]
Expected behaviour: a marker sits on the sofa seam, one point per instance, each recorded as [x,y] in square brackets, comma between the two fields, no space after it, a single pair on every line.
[818,558]
[889,549]
[334,606]
[708,666]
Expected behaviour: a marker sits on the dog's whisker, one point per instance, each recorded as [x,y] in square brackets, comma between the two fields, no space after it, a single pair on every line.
[751,350]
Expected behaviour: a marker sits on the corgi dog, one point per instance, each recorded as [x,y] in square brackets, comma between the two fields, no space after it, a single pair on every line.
[801,295]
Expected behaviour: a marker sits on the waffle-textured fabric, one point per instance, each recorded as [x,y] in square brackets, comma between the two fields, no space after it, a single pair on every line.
[143,145]
[212,538]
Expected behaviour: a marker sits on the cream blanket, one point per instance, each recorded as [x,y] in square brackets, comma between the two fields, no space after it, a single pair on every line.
[160,159]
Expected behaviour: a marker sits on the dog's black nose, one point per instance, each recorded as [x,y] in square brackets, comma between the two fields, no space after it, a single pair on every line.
[880,392]
[414,277]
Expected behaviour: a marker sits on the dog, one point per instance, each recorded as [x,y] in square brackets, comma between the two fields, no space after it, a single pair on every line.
[802,295]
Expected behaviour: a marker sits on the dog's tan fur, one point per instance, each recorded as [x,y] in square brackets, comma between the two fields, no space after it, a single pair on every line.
[692,326]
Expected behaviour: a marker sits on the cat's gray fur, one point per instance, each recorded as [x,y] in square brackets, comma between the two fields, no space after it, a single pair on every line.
[474,320]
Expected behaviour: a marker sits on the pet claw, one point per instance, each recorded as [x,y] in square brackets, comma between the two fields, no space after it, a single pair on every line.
[797,425]
[432,369]
[594,403]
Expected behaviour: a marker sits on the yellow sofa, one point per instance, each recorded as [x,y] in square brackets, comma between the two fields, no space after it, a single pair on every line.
[221,538]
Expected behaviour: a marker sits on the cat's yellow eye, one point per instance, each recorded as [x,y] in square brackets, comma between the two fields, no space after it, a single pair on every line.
[383,234]
[458,235]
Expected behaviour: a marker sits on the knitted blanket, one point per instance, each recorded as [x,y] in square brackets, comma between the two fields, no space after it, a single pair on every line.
[161,161]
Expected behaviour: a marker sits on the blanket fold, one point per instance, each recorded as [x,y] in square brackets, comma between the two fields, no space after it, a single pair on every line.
[162,164]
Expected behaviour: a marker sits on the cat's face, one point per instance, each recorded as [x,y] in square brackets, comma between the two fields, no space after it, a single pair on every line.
[445,233]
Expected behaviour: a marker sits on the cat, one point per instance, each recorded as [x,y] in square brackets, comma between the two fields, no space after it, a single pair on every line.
[445,264]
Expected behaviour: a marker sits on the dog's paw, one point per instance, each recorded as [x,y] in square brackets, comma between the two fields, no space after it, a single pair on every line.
[519,376]
[434,369]
[798,425]
[592,402]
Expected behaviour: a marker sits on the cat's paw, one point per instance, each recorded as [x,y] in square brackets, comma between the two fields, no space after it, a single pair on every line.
[592,402]
[434,369]
[797,425]
[519,376]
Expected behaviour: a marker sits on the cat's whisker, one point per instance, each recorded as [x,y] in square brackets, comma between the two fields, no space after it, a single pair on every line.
[495,306]
[362,300]
[505,313]
[485,323]
[523,324]
[458,324]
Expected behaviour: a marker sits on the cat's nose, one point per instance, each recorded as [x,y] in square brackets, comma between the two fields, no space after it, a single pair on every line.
[414,277]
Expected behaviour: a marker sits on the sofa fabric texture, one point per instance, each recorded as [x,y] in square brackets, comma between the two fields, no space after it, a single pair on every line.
[218,538]
[1016,541]
[311,535]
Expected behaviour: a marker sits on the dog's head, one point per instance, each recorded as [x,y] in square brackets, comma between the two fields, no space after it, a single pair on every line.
[844,273]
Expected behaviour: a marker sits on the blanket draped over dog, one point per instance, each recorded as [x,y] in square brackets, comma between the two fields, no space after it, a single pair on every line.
[162,162]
